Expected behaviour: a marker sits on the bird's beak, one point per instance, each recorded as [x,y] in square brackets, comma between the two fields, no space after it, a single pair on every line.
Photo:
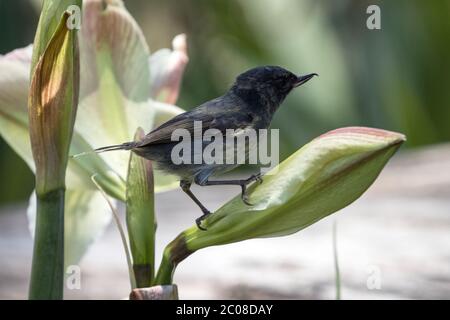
[302,79]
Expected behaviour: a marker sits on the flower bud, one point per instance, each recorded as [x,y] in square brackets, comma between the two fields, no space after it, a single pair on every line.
[52,104]
[321,178]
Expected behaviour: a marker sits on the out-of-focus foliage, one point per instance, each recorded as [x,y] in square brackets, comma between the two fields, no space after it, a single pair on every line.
[394,78]
[17,180]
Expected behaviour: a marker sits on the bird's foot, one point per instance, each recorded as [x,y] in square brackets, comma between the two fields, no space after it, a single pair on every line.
[199,220]
[244,195]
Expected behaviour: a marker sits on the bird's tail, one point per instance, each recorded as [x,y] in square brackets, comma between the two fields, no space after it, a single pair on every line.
[123,146]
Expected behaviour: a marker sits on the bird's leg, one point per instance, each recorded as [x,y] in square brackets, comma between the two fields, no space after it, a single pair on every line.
[242,183]
[186,187]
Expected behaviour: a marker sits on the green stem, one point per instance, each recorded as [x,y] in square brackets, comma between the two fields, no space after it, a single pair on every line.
[144,274]
[47,273]
[140,216]
[174,253]
[336,262]
[166,269]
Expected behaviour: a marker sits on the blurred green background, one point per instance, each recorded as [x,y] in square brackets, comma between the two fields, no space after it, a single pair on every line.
[396,78]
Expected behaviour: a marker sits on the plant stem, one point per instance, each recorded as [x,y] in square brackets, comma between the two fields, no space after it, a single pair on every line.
[336,262]
[165,270]
[47,275]
[140,216]
[144,274]
[174,253]
[54,69]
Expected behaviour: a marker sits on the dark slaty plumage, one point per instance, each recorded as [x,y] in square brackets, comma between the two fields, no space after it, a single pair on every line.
[250,103]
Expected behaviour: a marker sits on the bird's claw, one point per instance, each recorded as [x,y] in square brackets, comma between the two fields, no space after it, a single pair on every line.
[199,220]
[245,199]
[244,196]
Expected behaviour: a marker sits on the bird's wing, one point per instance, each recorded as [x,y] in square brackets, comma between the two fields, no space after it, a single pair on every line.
[213,114]
[163,133]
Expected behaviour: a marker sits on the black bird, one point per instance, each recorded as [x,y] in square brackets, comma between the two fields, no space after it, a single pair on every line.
[249,103]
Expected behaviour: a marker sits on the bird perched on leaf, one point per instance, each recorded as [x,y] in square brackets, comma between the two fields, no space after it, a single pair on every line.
[250,103]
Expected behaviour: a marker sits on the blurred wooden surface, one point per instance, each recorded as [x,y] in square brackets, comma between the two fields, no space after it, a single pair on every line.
[396,238]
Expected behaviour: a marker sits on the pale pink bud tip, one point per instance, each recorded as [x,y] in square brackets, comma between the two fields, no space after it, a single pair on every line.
[394,137]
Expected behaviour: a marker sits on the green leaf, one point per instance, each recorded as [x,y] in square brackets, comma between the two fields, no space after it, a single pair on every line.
[323,177]
[140,216]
